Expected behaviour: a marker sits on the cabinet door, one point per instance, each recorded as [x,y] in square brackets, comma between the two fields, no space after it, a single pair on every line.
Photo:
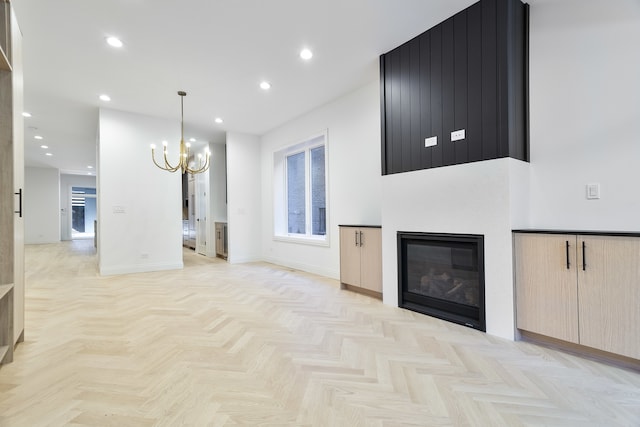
[546,285]
[609,290]
[349,256]
[371,259]
[18,176]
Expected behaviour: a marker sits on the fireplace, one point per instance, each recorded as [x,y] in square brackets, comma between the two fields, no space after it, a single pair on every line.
[442,275]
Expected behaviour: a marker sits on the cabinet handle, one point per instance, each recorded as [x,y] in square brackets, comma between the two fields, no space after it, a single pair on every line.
[567,248]
[584,259]
[356,232]
[361,241]
[19,211]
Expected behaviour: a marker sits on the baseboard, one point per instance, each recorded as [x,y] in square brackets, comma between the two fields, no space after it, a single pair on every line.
[309,268]
[139,268]
[581,350]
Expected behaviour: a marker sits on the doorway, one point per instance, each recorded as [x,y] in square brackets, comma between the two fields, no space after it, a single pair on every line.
[83,212]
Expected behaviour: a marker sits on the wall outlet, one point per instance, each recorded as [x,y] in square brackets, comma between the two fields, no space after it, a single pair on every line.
[457,135]
[593,191]
[119,209]
[430,142]
[144,256]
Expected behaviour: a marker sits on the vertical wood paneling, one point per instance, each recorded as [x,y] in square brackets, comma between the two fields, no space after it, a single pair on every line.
[469,72]
[405,105]
[448,93]
[460,84]
[503,76]
[474,76]
[383,116]
[436,95]
[489,81]
[395,118]
[426,128]
[518,50]
[414,83]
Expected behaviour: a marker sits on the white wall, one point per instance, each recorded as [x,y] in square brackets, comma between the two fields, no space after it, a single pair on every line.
[585,113]
[217,206]
[146,235]
[353,146]
[218,182]
[244,210]
[41,205]
[66,182]
[474,198]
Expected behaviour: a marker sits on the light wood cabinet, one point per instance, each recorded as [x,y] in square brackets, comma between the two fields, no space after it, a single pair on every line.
[221,239]
[580,288]
[609,294]
[547,292]
[11,185]
[361,258]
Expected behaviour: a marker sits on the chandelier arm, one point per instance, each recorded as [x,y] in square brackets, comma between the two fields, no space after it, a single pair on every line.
[185,151]
[201,167]
[153,157]
[168,166]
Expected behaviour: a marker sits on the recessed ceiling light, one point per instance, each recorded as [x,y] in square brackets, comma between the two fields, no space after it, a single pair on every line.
[218,120]
[192,139]
[48,154]
[25,114]
[89,173]
[44,146]
[37,137]
[306,54]
[114,41]
[105,98]
[89,167]
[265,85]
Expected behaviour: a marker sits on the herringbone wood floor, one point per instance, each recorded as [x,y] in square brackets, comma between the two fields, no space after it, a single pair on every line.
[260,345]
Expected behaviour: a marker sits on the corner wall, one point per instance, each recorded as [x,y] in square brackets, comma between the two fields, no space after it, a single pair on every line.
[353,148]
[41,205]
[243,209]
[585,113]
[139,205]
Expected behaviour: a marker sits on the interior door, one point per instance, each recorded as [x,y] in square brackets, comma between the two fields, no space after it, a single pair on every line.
[201,205]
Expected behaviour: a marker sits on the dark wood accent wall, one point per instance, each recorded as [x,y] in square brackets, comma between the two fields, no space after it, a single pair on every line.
[469,72]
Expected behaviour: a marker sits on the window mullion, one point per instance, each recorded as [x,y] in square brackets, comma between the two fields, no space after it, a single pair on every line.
[307,193]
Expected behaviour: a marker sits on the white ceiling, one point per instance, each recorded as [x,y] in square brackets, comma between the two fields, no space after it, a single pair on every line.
[216,50]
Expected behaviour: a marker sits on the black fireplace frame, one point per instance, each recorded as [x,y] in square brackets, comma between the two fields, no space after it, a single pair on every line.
[458,313]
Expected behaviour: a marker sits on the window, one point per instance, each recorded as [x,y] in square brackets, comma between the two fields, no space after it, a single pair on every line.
[300,190]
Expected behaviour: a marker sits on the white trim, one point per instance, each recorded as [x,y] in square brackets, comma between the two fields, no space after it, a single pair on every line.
[320,139]
[138,268]
[303,239]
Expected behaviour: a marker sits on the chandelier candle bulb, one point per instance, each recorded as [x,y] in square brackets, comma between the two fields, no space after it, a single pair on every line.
[183,156]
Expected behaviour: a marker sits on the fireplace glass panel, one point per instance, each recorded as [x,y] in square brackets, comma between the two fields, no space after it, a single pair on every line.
[442,275]
[444,272]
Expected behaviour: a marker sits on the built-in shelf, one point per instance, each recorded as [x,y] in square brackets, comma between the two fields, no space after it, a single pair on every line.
[6,322]
[4,289]
[4,62]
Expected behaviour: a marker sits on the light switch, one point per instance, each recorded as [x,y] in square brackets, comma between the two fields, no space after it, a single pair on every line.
[430,142]
[457,135]
[593,191]
[118,209]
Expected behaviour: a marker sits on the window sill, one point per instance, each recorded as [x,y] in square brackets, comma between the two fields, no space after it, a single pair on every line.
[303,240]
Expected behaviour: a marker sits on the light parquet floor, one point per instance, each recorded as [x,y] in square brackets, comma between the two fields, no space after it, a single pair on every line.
[255,344]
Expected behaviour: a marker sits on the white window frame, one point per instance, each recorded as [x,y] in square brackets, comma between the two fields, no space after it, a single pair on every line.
[280,225]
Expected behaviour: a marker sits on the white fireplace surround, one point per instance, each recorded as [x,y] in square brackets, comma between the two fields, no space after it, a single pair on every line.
[488,198]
